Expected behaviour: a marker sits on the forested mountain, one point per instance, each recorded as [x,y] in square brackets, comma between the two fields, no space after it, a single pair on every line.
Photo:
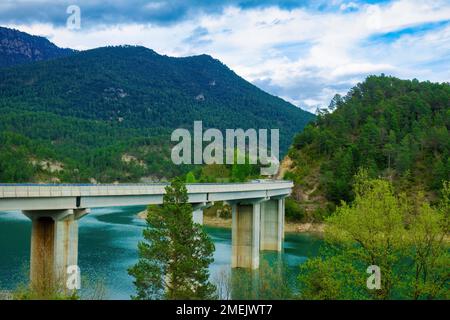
[107,113]
[19,47]
[396,129]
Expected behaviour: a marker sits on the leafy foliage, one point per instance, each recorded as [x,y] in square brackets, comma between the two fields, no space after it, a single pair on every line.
[398,129]
[175,254]
[406,240]
[88,109]
[293,211]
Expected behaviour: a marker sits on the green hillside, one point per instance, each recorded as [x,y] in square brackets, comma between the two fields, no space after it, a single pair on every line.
[20,48]
[108,113]
[396,129]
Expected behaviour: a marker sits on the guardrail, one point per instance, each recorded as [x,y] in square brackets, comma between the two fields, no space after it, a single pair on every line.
[76,190]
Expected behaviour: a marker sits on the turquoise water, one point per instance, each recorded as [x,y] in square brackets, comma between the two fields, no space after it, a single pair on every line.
[108,239]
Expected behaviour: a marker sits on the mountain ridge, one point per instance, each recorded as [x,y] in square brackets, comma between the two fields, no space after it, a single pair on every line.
[88,109]
[18,47]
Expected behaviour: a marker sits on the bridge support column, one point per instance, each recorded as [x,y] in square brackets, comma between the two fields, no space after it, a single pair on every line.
[245,235]
[197,214]
[54,247]
[272,224]
[283,217]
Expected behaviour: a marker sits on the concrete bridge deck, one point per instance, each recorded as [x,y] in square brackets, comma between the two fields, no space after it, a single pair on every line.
[257,217]
[73,196]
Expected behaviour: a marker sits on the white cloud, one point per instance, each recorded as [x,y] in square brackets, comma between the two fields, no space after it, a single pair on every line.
[303,56]
[361,68]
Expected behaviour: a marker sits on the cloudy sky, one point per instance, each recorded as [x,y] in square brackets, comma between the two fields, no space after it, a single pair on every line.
[304,51]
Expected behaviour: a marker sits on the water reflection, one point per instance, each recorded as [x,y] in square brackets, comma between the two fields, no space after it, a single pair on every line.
[108,240]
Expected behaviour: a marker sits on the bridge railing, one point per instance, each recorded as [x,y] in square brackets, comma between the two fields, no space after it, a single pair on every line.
[74,190]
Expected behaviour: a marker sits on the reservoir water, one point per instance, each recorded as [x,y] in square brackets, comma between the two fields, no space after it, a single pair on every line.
[108,240]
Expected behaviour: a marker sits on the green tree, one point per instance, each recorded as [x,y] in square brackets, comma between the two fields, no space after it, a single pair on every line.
[241,172]
[406,239]
[392,127]
[175,254]
[430,250]
[293,210]
[389,148]
[190,177]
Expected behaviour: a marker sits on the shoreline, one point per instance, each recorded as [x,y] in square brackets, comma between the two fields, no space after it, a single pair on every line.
[290,227]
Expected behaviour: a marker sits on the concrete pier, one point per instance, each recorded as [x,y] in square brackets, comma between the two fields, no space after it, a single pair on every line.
[197,214]
[55,210]
[272,215]
[54,246]
[245,235]
[283,216]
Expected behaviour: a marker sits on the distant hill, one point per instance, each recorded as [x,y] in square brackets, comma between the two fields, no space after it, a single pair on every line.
[19,47]
[397,129]
[107,113]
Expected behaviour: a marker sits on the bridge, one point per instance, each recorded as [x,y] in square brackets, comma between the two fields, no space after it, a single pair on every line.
[257,216]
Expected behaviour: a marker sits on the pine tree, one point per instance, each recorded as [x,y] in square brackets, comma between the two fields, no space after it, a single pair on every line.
[175,254]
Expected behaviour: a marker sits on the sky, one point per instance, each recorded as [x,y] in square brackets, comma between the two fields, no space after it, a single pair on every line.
[304,51]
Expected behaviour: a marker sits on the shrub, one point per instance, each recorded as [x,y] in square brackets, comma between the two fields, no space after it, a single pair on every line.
[293,210]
